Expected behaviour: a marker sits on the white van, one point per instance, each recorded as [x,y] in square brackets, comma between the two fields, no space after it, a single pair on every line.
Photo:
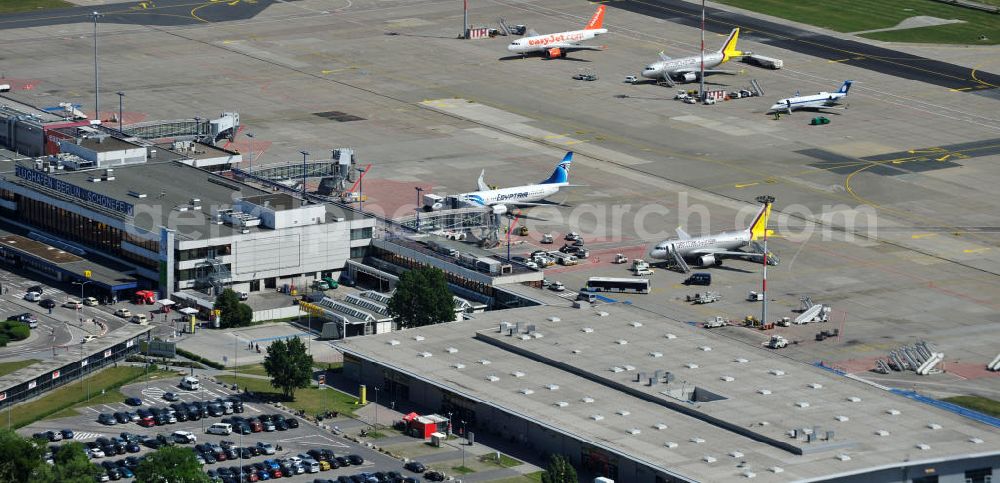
[220,428]
[310,465]
[190,383]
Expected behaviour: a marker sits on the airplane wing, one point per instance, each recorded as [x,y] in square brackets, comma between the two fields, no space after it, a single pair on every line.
[482,183]
[721,253]
[681,234]
[531,33]
[575,47]
[664,56]
[694,70]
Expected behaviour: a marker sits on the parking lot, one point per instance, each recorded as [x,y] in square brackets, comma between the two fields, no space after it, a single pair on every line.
[286,444]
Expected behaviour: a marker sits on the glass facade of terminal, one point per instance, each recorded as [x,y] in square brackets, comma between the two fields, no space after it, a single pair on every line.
[77,228]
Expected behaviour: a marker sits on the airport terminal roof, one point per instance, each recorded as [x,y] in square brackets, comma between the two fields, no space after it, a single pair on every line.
[576,372]
[162,193]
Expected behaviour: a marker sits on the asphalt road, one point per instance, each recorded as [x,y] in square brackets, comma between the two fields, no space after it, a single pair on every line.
[850,52]
[148,12]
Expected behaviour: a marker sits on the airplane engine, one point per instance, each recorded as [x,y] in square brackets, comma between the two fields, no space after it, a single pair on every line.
[709,260]
[554,53]
[499,209]
[690,76]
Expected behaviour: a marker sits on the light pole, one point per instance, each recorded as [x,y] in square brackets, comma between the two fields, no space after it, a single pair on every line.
[304,155]
[766,200]
[701,91]
[97,84]
[83,284]
[361,189]
[466,436]
[251,136]
[376,407]
[121,96]
[419,191]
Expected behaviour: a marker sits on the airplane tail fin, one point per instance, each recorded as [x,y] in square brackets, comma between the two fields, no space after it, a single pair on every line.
[759,224]
[561,173]
[597,20]
[728,49]
[846,87]
[482,182]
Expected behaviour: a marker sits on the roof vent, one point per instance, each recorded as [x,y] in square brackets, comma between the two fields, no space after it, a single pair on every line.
[561,404]
[934,426]
[660,426]
[621,342]
[634,431]
[425,354]
[882,433]
[923,446]
[577,351]
[655,354]
[587,330]
[776,469]
[843,457]
[740,360]
[776,372]
[617,369]
[816,385]
[697,440]
[492,378]
[552,387]
[764,392]
[842,418]
[670,444]
[728,378]
[418,338]
[854,399]
[892,412]
[451,350]
[596,417]
[628,367]
[623,412]
[393,342]
[517,374]
[802,404]
[705,348]
[603,314]
[524,337]
[670,336]
[554,319]
[736,454]
[136,194]
[587,399]
[976,440]
[458,365]
[484,362]
[709,459]
[691,365]
[635,324]
[527,392]
[749,474]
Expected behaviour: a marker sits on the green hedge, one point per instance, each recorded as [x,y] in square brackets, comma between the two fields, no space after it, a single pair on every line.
[12,330]
[197,358]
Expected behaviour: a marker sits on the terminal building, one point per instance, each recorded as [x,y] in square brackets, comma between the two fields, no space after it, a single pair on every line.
[154,213]
[639,398]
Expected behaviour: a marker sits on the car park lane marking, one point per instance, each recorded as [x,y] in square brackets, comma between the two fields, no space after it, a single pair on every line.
[85,435]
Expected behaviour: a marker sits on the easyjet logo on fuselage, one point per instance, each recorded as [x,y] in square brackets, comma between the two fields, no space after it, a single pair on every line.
[555,38]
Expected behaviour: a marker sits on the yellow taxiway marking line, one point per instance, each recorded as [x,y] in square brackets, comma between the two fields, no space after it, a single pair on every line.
[960,89]
[744,185]
[975,250]
[922,235]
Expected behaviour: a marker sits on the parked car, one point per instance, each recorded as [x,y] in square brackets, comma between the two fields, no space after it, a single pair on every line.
[434,476]
[27,318]
[107,419]
[184,437]
[169,396]
[67,434]
[415,466]
[267,448]
[133,401]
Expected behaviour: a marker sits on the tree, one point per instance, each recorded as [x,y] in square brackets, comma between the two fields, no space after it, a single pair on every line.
[422,298]
[71,465]
[234,312]
[20,456]
[170,464]
[289,366]
[559,471]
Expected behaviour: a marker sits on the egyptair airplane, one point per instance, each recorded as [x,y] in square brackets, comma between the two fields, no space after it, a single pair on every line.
[687,69]
[498,200]
[553,46]
[822,100]
[710,250]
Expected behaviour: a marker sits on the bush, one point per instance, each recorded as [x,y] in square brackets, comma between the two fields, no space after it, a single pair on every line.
[197,358]
[4,340]
[11,330]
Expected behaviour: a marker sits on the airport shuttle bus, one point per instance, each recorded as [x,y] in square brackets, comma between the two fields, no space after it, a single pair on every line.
[607,284]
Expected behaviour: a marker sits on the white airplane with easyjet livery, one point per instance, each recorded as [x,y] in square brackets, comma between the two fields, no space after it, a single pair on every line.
[553,46]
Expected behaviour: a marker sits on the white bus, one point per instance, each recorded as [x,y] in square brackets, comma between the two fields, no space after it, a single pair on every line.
[607,284]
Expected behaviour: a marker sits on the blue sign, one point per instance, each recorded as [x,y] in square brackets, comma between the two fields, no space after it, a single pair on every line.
[73,190]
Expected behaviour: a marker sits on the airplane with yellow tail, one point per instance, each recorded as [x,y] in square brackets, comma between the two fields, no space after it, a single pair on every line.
[687,69]
[710,250]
